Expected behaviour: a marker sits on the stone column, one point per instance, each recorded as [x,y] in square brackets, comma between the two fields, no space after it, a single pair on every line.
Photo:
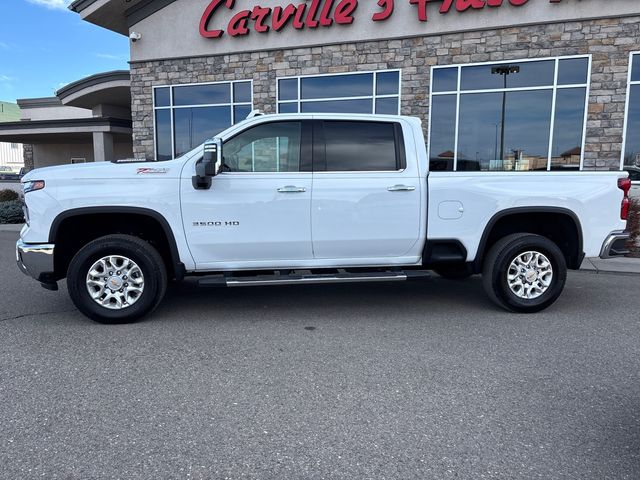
[102,146]
[27,152]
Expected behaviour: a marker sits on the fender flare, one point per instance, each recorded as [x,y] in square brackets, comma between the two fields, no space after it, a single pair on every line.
[477,262]
[178,266]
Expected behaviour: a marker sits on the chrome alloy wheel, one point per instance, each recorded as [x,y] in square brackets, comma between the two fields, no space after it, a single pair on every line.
[530,275]
[115,282]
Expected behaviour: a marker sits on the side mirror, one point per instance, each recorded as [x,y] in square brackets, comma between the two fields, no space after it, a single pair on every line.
[209,166]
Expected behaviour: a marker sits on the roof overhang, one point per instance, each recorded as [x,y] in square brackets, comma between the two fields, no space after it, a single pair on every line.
[117,15]
[62,131]
[110,88]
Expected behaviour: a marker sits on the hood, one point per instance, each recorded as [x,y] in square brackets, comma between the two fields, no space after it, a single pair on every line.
[107,170]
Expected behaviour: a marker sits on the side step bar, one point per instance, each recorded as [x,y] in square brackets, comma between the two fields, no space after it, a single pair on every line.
[298,279]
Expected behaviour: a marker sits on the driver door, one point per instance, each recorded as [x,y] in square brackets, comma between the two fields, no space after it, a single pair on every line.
[257,211]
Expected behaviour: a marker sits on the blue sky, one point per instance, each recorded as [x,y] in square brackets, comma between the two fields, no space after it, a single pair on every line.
[44,46]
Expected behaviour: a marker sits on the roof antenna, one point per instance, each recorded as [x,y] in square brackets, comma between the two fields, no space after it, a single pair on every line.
[254,113]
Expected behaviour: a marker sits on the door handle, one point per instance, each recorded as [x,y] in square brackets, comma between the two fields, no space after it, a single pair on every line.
[292,189]
[401,188]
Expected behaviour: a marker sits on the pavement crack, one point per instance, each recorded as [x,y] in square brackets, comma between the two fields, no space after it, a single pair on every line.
[35,314]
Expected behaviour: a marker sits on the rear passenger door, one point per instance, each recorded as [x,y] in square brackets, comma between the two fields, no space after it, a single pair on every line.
[366,199]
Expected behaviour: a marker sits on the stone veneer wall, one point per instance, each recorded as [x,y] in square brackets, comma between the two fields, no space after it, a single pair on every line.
[608,40]
[27,154]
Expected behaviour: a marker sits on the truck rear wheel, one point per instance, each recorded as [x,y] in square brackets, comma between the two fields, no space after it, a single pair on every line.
[524,273]
[117,279]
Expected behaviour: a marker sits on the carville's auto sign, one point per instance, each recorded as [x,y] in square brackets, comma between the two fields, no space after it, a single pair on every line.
[324,13]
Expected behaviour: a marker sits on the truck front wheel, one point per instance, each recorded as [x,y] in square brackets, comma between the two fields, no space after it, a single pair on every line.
[524,273]
[117,279]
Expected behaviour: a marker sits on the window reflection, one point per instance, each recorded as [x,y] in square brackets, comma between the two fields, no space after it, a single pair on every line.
[568,129]
[376,92]
[445,79]
[337,86]
[443,133]
[194,125]
[632,143]
[530,74]
[272,147]
[527,123]
[387,106]
[163,135]
[387,83]
[198,111]
[573,71]
[509,127]
[202,94]
[338,106]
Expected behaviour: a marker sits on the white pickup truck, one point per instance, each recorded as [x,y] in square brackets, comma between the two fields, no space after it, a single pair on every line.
[311,198]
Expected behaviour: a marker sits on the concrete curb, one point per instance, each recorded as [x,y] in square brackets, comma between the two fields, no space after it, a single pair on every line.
[625,265]
[11,227]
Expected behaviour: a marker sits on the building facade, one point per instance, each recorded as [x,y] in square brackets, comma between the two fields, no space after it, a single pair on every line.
[88,120]
[11,153]
[501,85]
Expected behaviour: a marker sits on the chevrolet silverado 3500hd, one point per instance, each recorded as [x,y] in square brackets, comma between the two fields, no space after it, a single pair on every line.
[311,198]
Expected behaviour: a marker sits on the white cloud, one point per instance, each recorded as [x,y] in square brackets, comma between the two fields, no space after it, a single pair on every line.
[109,56]
[6,78]
[4,46]
[52,4]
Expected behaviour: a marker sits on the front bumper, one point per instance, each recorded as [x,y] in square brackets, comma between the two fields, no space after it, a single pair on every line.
[36,260]
[615,245]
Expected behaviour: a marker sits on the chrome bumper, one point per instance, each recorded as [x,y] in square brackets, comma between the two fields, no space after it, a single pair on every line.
[615,245]
[35,260]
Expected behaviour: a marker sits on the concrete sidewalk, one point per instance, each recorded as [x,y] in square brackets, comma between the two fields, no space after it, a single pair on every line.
[597,265]
[612,265]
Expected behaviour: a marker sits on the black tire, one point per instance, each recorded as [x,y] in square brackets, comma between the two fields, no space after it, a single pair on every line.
[496,268]
[454,271]
[144,255]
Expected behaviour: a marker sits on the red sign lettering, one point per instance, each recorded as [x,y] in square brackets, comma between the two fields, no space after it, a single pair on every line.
[387,10]
[321,13]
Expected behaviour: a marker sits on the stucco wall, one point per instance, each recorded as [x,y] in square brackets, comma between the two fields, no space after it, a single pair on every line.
[609,41]
[174,30]
[45,155]
[59,112]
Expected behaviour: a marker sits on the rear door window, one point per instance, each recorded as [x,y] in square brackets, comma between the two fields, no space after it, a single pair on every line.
[363,146]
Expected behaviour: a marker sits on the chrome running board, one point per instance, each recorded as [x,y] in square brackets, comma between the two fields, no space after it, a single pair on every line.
[298,279]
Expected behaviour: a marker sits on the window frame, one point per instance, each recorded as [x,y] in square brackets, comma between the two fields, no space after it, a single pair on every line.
[171,107]
[554,89]
[627,102]
[374,96]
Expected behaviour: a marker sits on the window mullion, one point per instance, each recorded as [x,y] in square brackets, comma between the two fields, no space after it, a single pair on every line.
[587,92]
[455,146]
[173,132]
[553,113]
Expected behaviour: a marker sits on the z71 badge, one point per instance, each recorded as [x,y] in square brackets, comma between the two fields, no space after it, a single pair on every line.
[152,171]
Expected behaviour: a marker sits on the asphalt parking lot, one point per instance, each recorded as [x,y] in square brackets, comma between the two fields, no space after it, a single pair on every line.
[371,381]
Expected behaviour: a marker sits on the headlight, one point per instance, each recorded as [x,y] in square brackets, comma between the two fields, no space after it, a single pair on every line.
[32,186]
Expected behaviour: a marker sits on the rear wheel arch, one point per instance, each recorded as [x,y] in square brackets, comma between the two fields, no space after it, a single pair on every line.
[558,224]
[89,223]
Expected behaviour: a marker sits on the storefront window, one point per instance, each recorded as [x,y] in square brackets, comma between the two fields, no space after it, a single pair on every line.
[516,116]
[186,115]
[631,158]
[368,92]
